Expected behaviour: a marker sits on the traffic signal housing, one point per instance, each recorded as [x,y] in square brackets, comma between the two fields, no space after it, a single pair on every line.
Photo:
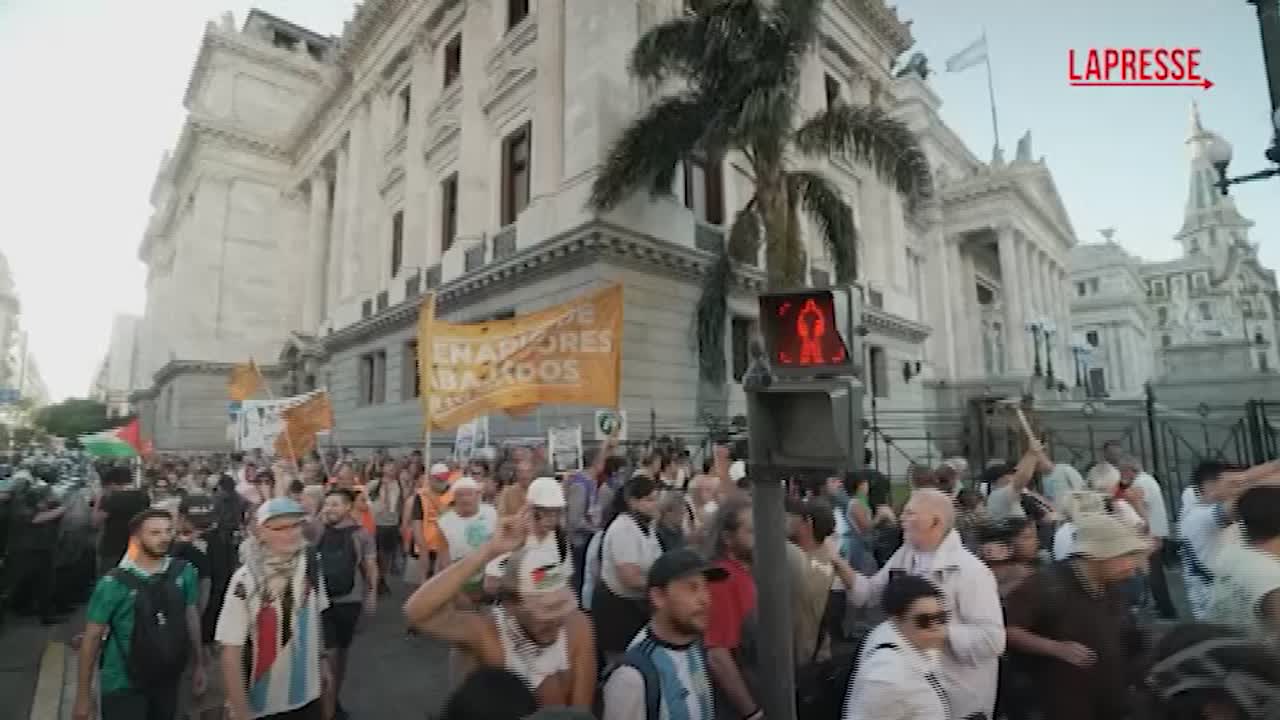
[812,333]
[807,425]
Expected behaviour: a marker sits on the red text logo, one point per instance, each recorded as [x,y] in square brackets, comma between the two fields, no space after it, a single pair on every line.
[1136,67]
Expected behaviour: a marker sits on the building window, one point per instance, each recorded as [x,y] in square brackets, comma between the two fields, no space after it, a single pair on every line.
[740,344]
[406,105]
[448,212]
[1157,289]
[832,88]
[411,380]
[1193,248]
[1165,341]
[397,242]
[879,366]
[283,40]
[876,299]
[1162,316]
[373,378]
[1094,285]
[515,174]
[1205,314]
[517,10]
[1091,337]
[1262,362]
[1246,308]
[1097,382]
[1199,281]
[453,61]
[1081,290]
[704,189]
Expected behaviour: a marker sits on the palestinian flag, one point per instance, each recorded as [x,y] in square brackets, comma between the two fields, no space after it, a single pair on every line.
[122,442]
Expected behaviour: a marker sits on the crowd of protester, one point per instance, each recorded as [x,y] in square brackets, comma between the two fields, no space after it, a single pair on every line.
[235,586]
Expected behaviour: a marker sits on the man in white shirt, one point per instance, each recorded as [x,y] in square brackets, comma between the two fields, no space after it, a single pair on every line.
[975,636]
[1246,585]
[1157,517]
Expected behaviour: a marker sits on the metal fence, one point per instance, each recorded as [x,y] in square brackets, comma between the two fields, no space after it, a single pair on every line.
[1168,441]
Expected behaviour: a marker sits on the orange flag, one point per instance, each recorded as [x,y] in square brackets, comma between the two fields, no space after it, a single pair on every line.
[301,423]
[244,382]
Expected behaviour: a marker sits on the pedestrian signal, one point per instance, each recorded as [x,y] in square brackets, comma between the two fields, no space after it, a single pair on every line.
[812,333]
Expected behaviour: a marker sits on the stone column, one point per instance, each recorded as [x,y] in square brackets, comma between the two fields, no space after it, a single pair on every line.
[548,113]
[313,308]
[421,234]
[950,295]
[337,233]
[1061,288]
[1013,298]
[357,160]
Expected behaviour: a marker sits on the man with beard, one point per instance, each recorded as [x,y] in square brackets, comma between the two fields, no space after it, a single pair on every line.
[349,562]
[669,651]
[111,625]
[273,605]
[534,631]
[731,538]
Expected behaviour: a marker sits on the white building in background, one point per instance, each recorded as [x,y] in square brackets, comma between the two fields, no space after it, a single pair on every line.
[1209,313]
[119,374]
[12,345]
[321,184]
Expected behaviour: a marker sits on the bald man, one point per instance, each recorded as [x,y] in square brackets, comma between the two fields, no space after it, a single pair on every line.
[975,636]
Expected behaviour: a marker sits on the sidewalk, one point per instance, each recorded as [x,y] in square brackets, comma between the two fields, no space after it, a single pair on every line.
[33,671]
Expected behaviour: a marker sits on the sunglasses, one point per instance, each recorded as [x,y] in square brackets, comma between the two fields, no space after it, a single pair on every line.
[924,621]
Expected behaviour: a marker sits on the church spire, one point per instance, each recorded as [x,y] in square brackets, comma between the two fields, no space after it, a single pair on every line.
[1210,221]
[1197,128]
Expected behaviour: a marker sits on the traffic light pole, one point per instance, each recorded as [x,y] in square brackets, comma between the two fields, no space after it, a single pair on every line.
[776,692]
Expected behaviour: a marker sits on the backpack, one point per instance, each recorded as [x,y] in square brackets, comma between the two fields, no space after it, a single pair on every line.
[337,549]
[160,645]
[635,657]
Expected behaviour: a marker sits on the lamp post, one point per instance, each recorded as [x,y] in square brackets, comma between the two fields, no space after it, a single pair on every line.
[1079,352]
[1220,152]
[1048,329]
[1034,327]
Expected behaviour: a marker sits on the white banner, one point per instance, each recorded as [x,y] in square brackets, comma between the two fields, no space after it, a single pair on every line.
[258,422]
[470,437]
[564,448]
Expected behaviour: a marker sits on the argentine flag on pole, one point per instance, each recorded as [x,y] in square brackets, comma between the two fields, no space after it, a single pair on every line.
[974,54]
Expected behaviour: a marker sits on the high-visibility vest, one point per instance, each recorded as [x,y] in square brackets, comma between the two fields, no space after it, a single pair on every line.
[433,506]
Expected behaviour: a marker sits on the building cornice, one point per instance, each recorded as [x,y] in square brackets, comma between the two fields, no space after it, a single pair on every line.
[884,22]
[592,241]
[989,185]
[215,38]
[889,325]
[174,368]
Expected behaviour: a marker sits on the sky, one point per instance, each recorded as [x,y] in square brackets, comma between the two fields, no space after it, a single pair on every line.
[92,92]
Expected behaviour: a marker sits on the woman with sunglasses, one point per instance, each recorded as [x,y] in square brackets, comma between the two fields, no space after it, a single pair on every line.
[897,676]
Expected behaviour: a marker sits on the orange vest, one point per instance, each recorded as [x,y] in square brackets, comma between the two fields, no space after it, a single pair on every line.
[364,515]
[433,506]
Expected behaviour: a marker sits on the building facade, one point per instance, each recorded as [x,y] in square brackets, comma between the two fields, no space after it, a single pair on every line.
[322,184]
[1207,314]
[118,375]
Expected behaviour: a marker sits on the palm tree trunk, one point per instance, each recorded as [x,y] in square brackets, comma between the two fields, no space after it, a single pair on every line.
[784,256]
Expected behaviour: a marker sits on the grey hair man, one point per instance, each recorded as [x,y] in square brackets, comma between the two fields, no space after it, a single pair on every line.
[975,636]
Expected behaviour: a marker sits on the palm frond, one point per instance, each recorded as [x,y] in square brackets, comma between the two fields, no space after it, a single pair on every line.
[649,148]
[868,134]
[797,23]
[762,122]
[825,204]
[710,315]
[745,235]
[674,47]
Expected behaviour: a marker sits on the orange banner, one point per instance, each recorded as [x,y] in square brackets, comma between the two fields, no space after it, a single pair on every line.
[301,423]
[244,382]
[570,354]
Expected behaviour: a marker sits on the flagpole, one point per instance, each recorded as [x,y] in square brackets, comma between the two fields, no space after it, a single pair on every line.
[991,91]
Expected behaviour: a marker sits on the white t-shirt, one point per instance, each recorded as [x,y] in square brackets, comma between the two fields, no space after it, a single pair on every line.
[1243,577]
[1153,497]
[1201,528]
[1005,502]
[625,542]
[624,690]
[466,535]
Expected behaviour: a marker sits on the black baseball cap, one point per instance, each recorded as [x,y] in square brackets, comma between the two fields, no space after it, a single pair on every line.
[676,564]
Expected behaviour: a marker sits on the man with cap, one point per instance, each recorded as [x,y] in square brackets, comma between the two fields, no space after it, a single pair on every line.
[547,539]
[1069,628]
[467,526]
[274,604]
[534,630]
[434,498]
[669,650]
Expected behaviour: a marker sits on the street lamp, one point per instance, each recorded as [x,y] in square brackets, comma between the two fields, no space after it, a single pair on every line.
[1219,151]
[1034,327]
[1049,330]
[1080,353]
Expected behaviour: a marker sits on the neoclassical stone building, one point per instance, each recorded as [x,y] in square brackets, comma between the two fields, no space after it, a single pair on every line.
[322,184]
[1207,315]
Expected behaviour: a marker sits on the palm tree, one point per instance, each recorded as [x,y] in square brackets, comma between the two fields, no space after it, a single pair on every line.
[738,66]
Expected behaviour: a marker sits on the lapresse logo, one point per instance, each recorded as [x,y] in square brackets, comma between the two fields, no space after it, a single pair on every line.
[1136,67]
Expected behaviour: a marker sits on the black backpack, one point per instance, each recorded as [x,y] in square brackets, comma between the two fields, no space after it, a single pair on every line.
[337,549]
[160,645]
